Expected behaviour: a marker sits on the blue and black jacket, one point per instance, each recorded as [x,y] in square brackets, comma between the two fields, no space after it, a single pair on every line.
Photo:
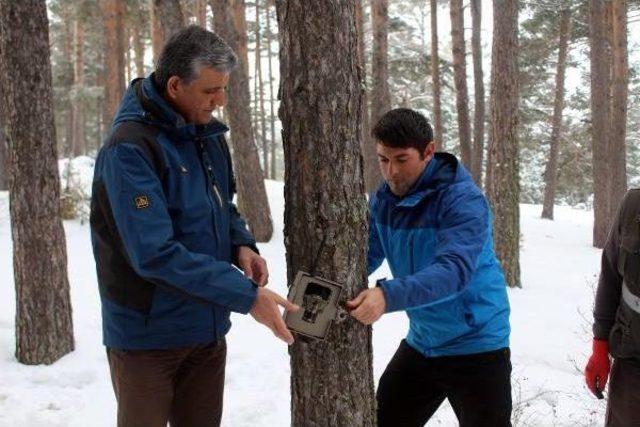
[164,228]
[438,242]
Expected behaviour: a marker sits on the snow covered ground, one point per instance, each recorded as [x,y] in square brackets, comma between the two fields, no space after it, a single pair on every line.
[550,339]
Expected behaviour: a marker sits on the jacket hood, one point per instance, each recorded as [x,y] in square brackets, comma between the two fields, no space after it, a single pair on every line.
[441,171]
[143,103]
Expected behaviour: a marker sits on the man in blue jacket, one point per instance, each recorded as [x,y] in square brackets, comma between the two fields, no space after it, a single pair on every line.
[433,226]
[167,239]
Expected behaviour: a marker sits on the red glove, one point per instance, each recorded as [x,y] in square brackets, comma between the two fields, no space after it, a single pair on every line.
[597,371]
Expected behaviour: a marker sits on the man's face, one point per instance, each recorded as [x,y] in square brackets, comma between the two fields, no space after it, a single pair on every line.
[196,100]
[401,167]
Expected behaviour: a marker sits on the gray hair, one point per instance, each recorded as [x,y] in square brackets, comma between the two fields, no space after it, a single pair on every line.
[190,49]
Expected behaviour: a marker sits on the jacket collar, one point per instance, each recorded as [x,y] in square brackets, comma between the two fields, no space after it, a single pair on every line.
[144,103]
[441,171]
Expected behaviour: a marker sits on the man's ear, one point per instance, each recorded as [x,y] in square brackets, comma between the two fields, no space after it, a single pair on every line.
[429,150]
[173,87]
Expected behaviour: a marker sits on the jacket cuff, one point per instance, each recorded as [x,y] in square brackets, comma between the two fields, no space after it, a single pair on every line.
[246,297]
[392,290]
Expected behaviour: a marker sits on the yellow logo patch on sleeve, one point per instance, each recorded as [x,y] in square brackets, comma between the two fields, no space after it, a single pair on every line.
[142,202]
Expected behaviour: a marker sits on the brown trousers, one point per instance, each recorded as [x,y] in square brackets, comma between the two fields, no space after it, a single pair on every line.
[181,386]
[623,409]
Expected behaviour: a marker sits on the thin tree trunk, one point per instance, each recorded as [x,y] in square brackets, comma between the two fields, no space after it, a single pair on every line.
[272,96]
[368,146]
[127,55]
[619,95]
[167,18]
[114,84]
[79,144]
[4,156]
[44,328]
[599,120]
[435,77]
[67,51]
[478,79]
[201,13]
[460,80]
[380,96]
[325,209]
[138,50]
[260,95]
[252,195]
[551,170]
[504,193]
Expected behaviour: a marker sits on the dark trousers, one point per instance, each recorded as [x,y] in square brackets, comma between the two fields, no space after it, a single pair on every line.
[181,386]
[478,387]
[623,406]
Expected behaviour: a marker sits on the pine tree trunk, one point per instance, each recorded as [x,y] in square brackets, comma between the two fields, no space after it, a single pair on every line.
[138,49]
[619,95]
[44,329]
[201,13]
[167,18]
[504,190]
[272,96]
[435,78]
[260,94]
[67,52]
[460,80]
[551,169]
[114,84]
[4,155]
[252,195]
[380,96]
[478,79]
[368,146]
[79,144]
[599,120]
[325,209]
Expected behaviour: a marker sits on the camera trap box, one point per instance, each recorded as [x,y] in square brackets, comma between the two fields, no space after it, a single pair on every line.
[318,300]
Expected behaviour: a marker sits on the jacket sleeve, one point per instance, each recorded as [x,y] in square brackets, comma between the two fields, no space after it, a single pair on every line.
[141,215]
[610,281]
[463,232]
[375,253]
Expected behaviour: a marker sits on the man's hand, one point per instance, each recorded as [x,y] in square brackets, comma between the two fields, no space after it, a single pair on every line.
[265,310]
[368,306]
[253,265]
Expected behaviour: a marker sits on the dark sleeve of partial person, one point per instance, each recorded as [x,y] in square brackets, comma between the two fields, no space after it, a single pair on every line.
[610,281]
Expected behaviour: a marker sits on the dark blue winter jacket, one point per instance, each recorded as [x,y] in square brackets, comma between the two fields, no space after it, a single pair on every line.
[164,228]
[438,242]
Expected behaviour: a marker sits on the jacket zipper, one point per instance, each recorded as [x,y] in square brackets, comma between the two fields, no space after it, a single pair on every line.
[211,182]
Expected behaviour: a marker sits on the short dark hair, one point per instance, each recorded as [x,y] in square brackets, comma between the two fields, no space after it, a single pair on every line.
[403,128]
[188,50]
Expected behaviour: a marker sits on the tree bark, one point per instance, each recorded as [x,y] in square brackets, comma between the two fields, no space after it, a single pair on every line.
[77,113]
[260,95]
[599,120]
[138,49]
[619,95]
[460,80]
[201,13]
[504,190]
[380,96]
[252,195]
[114,84]
[167,18]
[272,96]
[4,155]
[368,145]
[435,78]
[44,329]
[551,169]
[478,80]
[325,209]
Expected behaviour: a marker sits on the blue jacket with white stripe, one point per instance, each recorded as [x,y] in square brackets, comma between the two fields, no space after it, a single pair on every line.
[164,228]
[438,242]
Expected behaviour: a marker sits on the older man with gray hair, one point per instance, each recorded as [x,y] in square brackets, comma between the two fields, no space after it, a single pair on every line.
[169,242]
